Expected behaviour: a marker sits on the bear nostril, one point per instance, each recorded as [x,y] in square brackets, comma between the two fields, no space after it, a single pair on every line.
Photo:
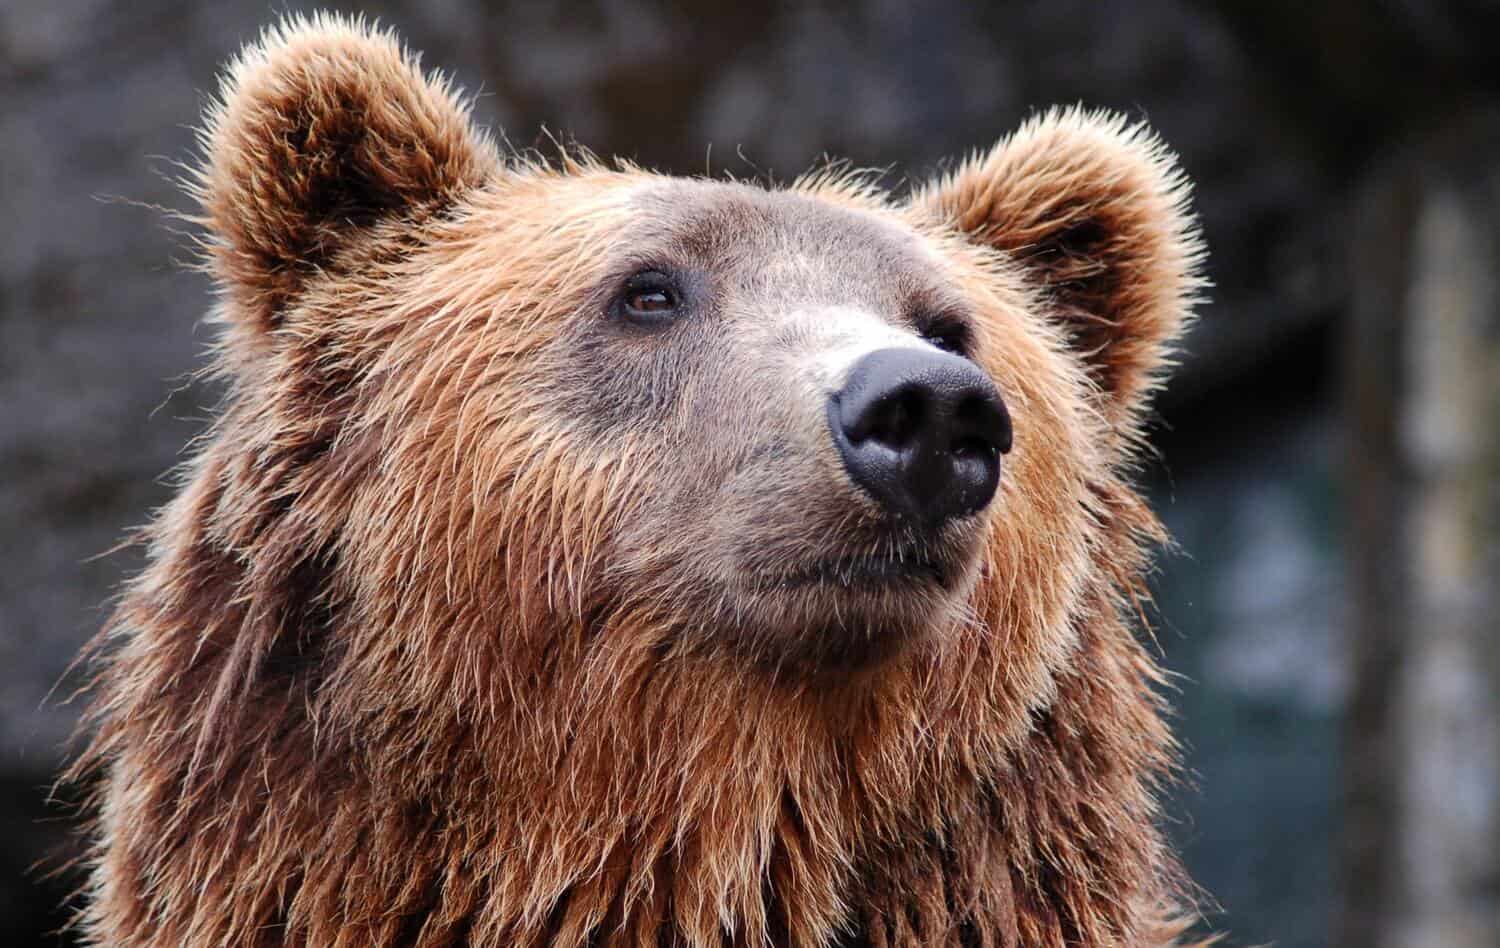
[983,417]
[892,420]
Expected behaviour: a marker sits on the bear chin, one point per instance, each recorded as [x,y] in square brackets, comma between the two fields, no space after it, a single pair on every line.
[845,614]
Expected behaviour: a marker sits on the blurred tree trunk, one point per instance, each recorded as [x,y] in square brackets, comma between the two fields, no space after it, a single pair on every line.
[1421,756]
[1422,823]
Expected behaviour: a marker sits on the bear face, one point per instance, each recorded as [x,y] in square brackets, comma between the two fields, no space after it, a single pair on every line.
[747,529]
[585,550]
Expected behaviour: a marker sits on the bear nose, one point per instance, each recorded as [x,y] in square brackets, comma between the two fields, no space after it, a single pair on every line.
[922,432]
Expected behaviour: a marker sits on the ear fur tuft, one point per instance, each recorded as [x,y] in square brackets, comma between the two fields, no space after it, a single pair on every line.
[1096,211]
[322,128]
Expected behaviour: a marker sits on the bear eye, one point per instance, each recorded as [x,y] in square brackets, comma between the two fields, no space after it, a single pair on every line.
[650,297]
[949,334]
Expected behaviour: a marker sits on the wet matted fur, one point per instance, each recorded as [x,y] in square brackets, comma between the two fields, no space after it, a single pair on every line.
[478,621]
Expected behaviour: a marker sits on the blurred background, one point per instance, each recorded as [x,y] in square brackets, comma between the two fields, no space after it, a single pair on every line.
[1329,452]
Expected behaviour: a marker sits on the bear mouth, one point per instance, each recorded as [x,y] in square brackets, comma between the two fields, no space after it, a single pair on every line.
[869,572]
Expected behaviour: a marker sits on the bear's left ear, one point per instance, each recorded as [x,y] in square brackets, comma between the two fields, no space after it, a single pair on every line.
[1096,212]
[323,129]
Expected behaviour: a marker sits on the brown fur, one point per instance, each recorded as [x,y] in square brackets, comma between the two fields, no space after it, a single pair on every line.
[438,645]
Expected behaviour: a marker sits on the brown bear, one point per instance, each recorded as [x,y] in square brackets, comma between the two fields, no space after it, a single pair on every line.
[584,556]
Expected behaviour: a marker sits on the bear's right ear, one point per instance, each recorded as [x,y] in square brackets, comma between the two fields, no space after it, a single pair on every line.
[1095,211]
[323,128]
